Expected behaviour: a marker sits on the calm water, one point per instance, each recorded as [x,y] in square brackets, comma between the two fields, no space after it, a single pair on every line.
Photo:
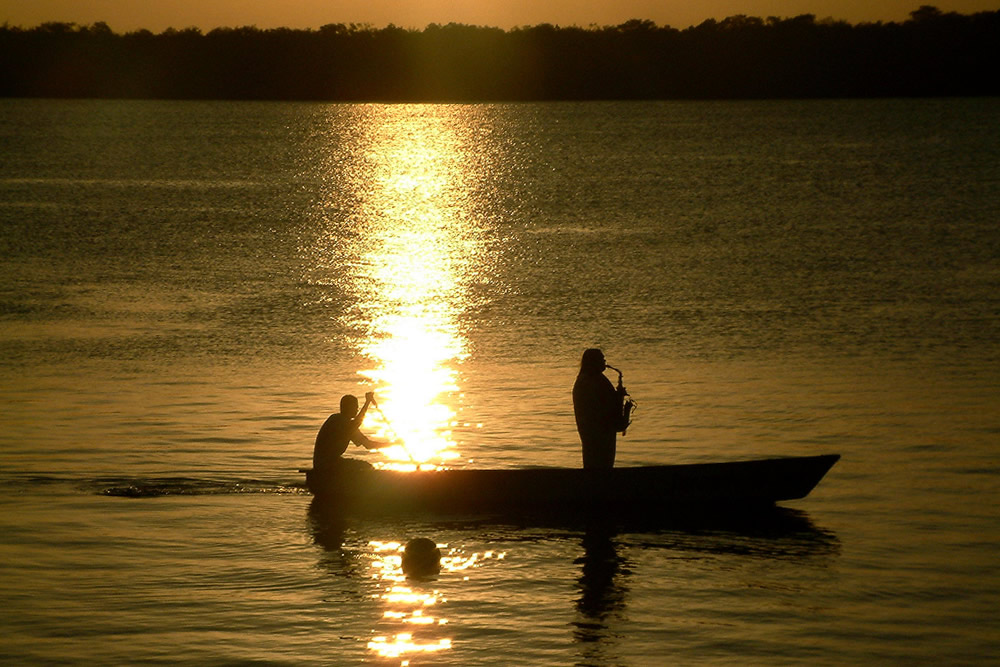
[186,289]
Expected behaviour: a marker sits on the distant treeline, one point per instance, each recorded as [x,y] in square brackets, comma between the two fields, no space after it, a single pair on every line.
[931,54]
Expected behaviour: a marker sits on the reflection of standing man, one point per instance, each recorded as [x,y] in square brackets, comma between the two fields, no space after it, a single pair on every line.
[603,590]
[597,407]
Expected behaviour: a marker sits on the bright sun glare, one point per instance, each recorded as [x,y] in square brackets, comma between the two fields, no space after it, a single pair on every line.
[414,251]
[413,620]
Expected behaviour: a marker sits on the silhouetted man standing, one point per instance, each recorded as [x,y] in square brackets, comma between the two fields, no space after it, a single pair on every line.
[597,407]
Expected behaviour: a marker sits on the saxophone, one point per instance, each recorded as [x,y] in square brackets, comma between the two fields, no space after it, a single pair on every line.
[626,404]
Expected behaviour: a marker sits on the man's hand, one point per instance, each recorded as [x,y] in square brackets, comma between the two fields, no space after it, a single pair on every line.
[370,397]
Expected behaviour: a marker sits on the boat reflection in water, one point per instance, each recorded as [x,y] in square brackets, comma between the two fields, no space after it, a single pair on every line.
[606,569]
[413,617]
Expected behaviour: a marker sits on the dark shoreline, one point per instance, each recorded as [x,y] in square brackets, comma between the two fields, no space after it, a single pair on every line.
[933,54]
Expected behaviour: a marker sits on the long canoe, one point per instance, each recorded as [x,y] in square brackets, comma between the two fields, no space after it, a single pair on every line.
[633,490]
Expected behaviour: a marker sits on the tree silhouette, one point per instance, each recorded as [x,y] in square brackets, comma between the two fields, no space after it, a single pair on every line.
[932,53]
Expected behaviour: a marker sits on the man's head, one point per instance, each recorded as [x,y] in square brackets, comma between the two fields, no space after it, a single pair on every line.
[348,405]
[593,361]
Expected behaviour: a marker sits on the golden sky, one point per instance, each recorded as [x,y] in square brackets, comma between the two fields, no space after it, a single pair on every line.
[157,15]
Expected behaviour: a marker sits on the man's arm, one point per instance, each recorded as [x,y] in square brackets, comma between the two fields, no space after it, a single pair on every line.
[359,438]
[360,417]
[368,443]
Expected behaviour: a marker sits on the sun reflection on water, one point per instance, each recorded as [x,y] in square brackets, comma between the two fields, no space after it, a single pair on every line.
[412,621]
[406,605]
[415,249]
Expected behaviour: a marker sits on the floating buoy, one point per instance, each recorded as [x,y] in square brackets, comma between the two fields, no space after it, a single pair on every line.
[421,558]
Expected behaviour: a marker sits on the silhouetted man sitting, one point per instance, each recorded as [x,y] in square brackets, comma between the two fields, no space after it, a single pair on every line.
[339,430]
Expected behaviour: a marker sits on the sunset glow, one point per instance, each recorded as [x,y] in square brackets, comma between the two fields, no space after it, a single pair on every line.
[125,15]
